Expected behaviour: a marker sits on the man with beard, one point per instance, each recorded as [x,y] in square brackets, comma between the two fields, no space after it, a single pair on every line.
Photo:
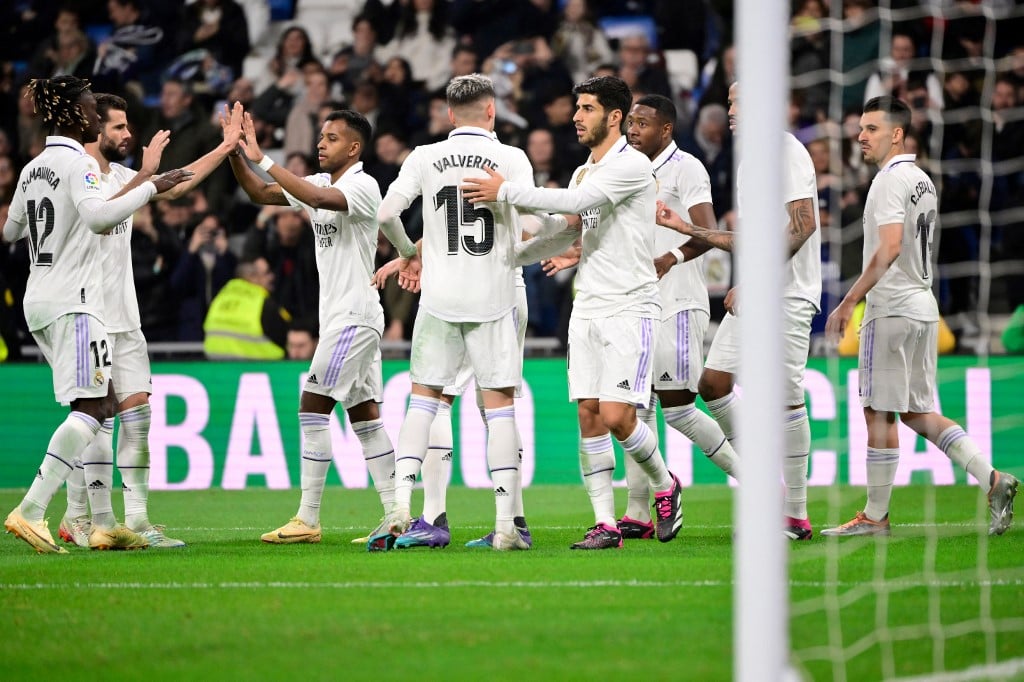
[131,372]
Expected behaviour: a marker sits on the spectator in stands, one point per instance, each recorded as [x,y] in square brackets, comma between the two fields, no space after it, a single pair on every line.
[715,87]
[641,68]
[244,322]
[391,150]
[300,133]
[579,43]
[540,149]
[897,72]
[401,98]
[424,38]
[303,338]
[47,53]
[192,136]
[285,239]
[292,53]
[359,60]
[465,60]
[711,144]
[218,26]
[300,164]
[73,56]
[8,178]
[860,46]
[131,52]
[809,50]
[200,273]
[559,107]
[487,24]
[438,125]
[155,252]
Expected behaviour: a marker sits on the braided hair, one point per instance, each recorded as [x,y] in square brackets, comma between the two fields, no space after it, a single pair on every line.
[56,100]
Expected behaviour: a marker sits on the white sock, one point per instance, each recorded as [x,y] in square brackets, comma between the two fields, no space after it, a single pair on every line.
[133,464]
[638,499]
[959,447]
[380,459]
[597,460]
[503,463]
[724,411]
[882,464]
[62,453]
[412,447]
[642,446]
[437,465]
[797,439]
[78,496]
[316,460]
[520,512]
[98,460]
[706,433]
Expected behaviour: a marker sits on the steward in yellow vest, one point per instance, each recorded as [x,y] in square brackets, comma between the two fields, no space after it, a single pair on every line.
[244,322]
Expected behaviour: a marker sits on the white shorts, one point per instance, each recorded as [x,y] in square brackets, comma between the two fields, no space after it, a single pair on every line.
[897,364]
[611,359]
[797,314]
[465,374]
[131,372]
[679,351]
[78,351]
[439,349]
[346,366]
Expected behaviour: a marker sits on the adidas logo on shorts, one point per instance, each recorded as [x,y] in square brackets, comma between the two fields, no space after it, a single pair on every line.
[665,377]
[500,492]
[96,485]
[312,380]
[624,384]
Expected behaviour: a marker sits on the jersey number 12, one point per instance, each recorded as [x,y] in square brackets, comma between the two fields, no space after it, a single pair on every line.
[42,214]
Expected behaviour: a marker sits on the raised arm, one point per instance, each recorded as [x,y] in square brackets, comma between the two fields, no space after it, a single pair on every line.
[330,198]
[495,188]
[701,214]
[706,238]
[261,192]
[206,164]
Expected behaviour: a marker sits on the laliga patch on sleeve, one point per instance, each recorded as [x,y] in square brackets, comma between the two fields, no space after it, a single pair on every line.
[92,181]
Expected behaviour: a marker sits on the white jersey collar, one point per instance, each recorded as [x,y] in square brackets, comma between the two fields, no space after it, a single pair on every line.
[61,141]
[617,148]
[666,154]
[355,168]
[474,131]
[899,158]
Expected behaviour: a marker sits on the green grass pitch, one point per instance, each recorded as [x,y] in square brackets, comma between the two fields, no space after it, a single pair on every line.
[229,607]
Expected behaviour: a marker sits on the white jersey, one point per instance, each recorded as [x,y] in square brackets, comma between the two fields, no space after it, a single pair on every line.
[468,250]
[346,242]
[803,270]
[121,306]
[683,183]
[616,200]
[65,274]
[901,193]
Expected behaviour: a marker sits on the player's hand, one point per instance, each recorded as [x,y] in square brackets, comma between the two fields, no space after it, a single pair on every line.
[380,278]
[231,125]
[481,190]
[171,178]
[250,147]
[567,259]
[835,326]
[666,217]
[151,153]
[731,302]
[409,272]
[573,222]
[664,263]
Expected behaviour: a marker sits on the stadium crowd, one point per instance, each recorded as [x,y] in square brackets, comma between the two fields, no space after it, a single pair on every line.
[292,62]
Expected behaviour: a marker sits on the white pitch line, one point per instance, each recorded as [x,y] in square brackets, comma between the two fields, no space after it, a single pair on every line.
[543,585]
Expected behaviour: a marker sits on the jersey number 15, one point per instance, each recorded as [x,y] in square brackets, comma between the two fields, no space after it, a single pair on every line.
[451,199]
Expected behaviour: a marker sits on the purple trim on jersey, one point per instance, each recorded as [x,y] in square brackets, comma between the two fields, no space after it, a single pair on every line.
[645,353]
[75,149]
[341,349]
[683,345]
[488,137]
[515,320]
[82,350]
[868,338]
[667,158]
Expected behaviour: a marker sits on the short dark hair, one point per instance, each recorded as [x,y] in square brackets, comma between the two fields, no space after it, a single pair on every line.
[105,102]
[355,121]
[611,93]
[307,324]
[896,111]
[662,105]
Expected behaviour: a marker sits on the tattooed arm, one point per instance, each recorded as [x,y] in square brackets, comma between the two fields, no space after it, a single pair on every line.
[801,223]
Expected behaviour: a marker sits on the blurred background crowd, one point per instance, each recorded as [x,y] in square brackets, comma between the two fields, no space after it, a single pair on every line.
[959,65]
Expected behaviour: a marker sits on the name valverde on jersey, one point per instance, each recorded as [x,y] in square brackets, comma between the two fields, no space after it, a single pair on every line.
[902,194]
[468,250]
[346,242]
[65,271]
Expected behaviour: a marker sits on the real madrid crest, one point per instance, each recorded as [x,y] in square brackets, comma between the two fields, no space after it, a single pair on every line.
[99,378]
[579,177]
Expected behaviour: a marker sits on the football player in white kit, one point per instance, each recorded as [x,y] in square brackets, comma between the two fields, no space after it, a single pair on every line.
[899,332]
[801,300]
[468,300]
[58,204]
[342,204]
[683,185]
[130,370]
[611,329]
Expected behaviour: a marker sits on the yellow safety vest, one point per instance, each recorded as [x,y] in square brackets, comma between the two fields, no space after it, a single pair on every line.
[233,325]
